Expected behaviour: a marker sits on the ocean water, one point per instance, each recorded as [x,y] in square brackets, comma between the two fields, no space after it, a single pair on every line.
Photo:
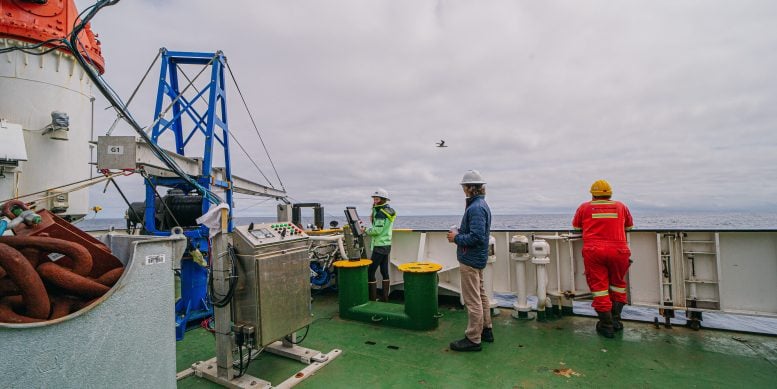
[534,222]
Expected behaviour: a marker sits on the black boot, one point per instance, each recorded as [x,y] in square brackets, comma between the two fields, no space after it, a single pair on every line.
[465,345]
[487,335]
[617,307]
[386,290]
[373,290]
[604,326]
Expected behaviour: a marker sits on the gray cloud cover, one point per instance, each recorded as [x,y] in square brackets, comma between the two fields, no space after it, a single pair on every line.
[674,102]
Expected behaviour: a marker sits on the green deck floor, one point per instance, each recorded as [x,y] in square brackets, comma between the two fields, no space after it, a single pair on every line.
[526,354]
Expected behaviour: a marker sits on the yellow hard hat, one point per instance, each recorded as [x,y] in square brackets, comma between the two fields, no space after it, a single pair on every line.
[601,188]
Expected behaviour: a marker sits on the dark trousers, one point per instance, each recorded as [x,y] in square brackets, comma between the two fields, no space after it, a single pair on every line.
[380,258]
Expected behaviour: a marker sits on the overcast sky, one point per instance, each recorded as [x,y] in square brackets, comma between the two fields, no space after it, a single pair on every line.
[674,102]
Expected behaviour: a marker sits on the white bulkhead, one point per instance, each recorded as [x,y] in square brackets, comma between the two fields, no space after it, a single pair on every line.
[31,88]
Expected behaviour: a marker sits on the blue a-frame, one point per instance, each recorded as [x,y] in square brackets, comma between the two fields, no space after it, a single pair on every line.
[171,108]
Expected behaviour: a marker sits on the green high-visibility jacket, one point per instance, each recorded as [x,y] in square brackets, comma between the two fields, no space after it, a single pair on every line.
[382,219]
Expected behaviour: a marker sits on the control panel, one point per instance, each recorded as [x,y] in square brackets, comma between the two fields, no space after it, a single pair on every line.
[265,233]
[272,294]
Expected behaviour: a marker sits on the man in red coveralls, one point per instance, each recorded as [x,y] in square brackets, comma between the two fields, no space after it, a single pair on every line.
[606,254]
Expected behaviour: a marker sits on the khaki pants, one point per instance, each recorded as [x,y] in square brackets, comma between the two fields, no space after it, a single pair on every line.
[476,300]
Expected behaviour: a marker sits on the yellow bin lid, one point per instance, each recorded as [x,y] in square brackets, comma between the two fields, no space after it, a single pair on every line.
[359,263]
[420,267]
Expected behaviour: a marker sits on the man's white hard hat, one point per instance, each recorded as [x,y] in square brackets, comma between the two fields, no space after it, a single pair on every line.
[472,177]
[382,193]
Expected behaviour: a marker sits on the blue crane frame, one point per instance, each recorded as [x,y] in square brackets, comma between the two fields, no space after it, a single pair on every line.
[193,303]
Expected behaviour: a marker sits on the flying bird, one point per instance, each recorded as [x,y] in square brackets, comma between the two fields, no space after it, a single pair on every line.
[441,143]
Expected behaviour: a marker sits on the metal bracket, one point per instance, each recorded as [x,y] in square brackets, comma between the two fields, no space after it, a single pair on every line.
[208,370]
[298,353]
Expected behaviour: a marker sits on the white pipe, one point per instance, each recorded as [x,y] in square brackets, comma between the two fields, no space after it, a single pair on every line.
[507,249]
[539,251]
[332,238]
[572,283]
[518,248]
[341,246]
[558,267]
[542,284]
[522,303]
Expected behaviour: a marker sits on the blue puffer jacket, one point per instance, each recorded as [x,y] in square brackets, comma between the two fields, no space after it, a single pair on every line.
[472,240]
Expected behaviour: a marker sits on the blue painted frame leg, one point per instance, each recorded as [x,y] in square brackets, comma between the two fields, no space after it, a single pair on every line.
[193,305]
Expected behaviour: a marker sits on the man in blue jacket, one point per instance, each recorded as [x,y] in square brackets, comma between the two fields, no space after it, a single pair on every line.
[471,241]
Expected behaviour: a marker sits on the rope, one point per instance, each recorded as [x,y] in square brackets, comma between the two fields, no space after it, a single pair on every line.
[88,183]
[233,136]
[32,49]
[256,128]
[255,204]
[113,98]
[129,205]
[132,96]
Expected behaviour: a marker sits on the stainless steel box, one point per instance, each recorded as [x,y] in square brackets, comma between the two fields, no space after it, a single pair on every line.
[116,152]
[273,285]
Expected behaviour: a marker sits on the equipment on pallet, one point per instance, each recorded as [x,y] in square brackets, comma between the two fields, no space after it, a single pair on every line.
[263,299]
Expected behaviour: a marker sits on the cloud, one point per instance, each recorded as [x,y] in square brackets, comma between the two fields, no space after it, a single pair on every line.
[673,102]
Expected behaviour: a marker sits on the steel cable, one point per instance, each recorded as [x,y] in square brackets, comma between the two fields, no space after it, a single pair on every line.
[233,137]
[111,96]
[256,128]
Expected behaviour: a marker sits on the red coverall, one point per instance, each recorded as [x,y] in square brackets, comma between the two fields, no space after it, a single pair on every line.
[605,250]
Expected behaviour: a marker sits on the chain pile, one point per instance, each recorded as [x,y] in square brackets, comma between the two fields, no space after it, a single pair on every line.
[45,278]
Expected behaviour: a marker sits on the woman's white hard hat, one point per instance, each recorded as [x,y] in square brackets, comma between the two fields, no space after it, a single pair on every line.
[382,193]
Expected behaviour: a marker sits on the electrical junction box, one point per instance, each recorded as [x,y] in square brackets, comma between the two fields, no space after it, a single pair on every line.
[57,133]
[12,146]
[57,201]
[116,152]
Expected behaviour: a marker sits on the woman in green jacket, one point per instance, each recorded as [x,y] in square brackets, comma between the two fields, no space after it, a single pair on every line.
[382,220]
